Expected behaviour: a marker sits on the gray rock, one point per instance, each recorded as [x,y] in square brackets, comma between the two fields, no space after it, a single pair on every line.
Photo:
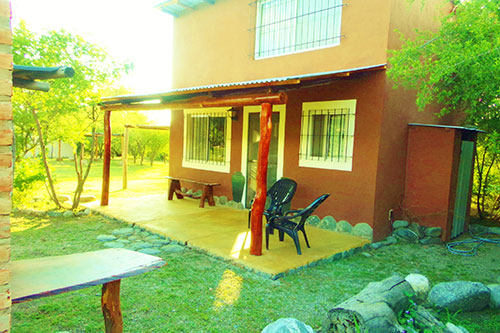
[417,229]
[313,220]
[216,200]
[115,245]
[142,245]
[134,238]
[328,223]
[183,189]
[87,212]
[54,214]
[152,238]
[363,230]
[406,235]
[494,296]
[231,203]
[223,200]
[189,192]
[389,240]
[123,232]
[433,232]
[287,325]
[400,224]
[459,295]
[431,241]
[198,193]
[150,251]
[344,226]
[376,246]
[123,241]
[366,254]
[173,248]
[106,238]
[68,213]
[451,328]
[239,206]
[420,285]
[160,242]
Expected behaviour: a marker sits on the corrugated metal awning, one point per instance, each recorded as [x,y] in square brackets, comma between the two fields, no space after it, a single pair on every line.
[280,82]
[177,8]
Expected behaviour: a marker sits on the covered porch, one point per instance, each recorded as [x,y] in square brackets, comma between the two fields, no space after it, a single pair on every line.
[222,232]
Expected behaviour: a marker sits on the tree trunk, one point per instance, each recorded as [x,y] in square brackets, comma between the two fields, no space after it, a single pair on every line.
[374,309]
[51,189]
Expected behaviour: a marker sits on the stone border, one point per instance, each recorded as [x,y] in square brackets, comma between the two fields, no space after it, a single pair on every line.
[337,256]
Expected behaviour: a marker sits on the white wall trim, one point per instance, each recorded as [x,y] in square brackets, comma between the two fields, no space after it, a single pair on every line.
[281,109]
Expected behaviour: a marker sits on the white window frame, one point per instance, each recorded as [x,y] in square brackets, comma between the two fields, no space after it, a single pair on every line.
[209,166]
[306,128]
[291,16]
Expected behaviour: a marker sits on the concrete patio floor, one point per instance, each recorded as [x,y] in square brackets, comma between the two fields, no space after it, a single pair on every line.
[222,232]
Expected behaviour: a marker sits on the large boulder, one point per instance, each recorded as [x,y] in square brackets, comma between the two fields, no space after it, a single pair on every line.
[495,296]
[459,295]
[288,325]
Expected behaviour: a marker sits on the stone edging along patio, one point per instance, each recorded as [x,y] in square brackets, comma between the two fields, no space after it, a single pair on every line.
[161,244]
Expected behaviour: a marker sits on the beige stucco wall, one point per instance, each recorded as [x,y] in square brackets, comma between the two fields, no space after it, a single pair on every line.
[213,44]
[5,161]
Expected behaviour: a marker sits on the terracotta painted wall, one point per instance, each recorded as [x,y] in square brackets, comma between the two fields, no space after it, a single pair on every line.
[399,110]
[6,136]
[213,44]
[352,193]
[431,179]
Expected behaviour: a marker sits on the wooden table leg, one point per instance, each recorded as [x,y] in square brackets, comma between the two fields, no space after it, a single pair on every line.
[110,304]
[210,197]
[175,187]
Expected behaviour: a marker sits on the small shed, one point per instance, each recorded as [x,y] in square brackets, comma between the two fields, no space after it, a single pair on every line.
[439,176]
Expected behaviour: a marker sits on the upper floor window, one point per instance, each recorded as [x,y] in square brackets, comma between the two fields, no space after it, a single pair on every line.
[289,26]
[327,134]
[207,139]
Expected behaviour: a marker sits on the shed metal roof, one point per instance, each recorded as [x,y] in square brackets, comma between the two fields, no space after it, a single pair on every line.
[463,128]
[177,8]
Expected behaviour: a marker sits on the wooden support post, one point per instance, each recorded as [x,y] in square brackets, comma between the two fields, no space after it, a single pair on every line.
[125,157]
[107,159]
[110,304]
[59,158]
[260,198]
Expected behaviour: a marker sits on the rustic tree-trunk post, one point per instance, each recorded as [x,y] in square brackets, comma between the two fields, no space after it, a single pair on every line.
[107,159]
[260,198]
[125,156]
[110,304]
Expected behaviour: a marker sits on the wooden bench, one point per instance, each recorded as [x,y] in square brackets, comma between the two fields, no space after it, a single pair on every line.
[207,194]
[42,277]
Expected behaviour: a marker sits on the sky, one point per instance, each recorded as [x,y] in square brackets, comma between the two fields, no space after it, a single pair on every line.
[132,31]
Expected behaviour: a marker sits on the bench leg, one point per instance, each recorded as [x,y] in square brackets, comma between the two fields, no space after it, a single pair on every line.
[110,304]
[208,194]
[175,187]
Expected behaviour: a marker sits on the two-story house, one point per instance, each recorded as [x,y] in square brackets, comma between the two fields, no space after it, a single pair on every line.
[344,130]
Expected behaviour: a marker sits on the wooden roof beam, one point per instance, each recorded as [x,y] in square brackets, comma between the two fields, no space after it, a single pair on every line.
[203,102]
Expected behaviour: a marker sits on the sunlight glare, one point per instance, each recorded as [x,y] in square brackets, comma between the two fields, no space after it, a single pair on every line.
[242,242]
[228,290]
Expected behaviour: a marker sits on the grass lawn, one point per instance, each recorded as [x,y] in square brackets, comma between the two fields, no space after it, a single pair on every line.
[195,293]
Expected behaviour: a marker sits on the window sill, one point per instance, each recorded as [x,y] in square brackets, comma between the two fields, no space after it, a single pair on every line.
[346,166]
[205,166]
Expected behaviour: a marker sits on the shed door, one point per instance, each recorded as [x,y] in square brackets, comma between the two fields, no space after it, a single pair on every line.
[463,186]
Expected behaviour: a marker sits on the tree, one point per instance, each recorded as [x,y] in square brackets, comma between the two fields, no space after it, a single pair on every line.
[458,67]
[68,111]
[156,143]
